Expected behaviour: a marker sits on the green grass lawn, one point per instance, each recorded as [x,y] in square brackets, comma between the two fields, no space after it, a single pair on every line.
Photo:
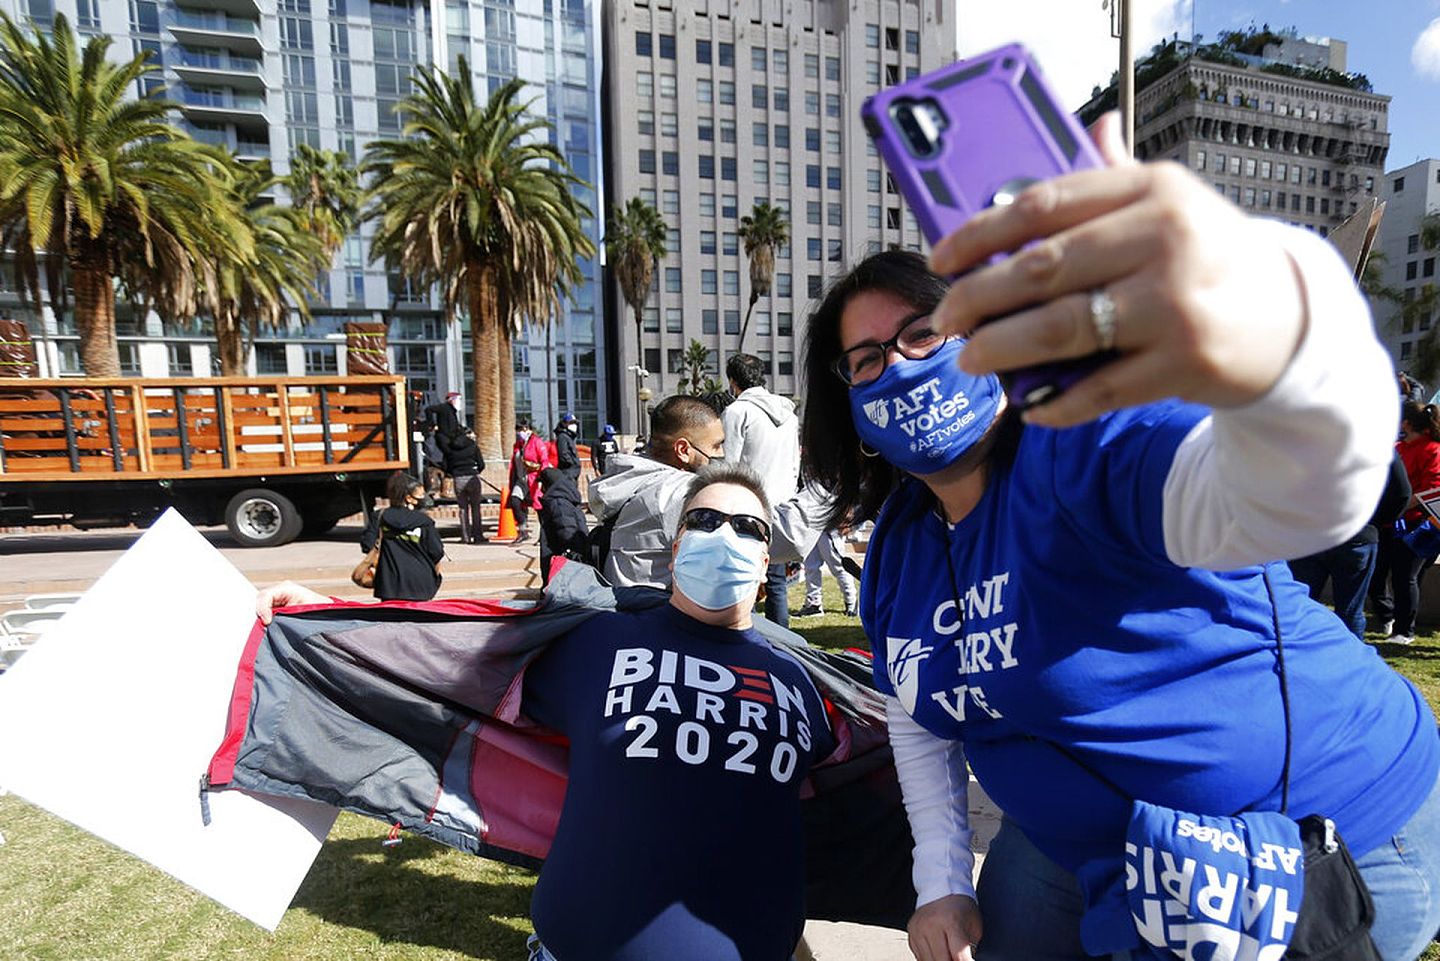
[65,896]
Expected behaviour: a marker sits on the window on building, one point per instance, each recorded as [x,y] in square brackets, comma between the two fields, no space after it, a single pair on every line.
[1325,205]
[760,171]
[759,96]
[872,216]
[727,130]
[1310,204]
[833,215]
[760,134]
[707,205]
[832,178]
[786,366]
[1249,166]
[1235,166]
[782,173]
[872,181]
[704,91]
[872,35]
[812,175]
[892,218]
[669,124]
[812,248]
[652,359]
[667,46]
[832,105]
[1412,270]
[730,243]
[832,68]
[1265,198]
[727,168]
[702,51]
[650,320]
[707,167]
[725,54]
[812,139]
[707,241]
[647,161]
[1325,178]
[1282,172]
[674,320]
[1295,203]
[670,203]
[812,103]
[670,163]
[1220,163]
[832,141]
[814,285]
[270,359]
[813,212]
[1264,170]
[731,285]
[667,85]
[645,121]
[781,60]
[1399,184]
[1412,244]
[727,91]
[732,317]
[762,323]
[812,66]
[783,285]
[872,72]
[705,130]
[1200,160]
[1249,196]
[709,321]
[782,136]
[782,99]
[892,74]
[892,38]
[644,85]
[1429,267]
[675,360]
[643,42]
[912,41]
[759,59]
[729,206]
[672,280]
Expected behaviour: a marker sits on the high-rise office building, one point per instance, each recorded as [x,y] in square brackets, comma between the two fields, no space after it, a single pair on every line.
[714,105]
[1411,195]
[262,76]
[1267,135]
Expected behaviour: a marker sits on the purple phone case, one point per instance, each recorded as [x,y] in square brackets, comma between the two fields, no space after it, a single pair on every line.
[1004,129]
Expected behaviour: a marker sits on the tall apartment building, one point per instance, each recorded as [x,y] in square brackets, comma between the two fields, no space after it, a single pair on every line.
[1411,194]
[714,105]
[1295,149]
[262,76]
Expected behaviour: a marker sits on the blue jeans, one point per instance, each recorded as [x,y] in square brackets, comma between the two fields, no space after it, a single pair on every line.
[777,596]
[1031,906]
[1348,567]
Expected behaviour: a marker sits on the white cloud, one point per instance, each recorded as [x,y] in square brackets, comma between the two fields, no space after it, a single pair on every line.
[1425,55]
[1070,39]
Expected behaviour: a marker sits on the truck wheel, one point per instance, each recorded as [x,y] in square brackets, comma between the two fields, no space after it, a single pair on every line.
[262,518]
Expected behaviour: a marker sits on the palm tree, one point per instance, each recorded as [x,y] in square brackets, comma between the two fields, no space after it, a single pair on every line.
[102,185]
[258,288]
[634,243]
[696,360]
[325,187]
[762,230]
[474,199]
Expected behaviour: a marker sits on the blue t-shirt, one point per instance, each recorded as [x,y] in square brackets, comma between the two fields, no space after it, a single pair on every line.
[680,836]
[1059,618]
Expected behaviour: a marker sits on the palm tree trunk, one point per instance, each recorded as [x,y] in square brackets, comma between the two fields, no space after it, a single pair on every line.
[639,361]
[95,319]
[484,364]
[231,344]
[740,344]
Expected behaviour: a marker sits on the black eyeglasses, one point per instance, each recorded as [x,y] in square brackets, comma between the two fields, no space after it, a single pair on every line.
[708,519]
[916,340]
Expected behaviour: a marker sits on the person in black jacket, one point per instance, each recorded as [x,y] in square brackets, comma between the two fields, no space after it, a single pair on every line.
[607,446]
[410,547]
[567,453]
[464,463]
[563,530]
[1349,566]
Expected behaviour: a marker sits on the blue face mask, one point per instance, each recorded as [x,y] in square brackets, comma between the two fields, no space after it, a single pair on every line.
[718,569]
[923,415]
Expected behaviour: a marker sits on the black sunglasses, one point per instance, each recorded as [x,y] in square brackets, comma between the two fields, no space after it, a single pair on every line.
[708,519]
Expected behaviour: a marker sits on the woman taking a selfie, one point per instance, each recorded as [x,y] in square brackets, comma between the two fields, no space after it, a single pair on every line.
[1087,595]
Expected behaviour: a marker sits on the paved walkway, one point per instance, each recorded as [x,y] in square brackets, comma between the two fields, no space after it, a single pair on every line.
[62,560]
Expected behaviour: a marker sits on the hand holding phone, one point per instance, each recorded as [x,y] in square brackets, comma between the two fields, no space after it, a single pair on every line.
[975,135]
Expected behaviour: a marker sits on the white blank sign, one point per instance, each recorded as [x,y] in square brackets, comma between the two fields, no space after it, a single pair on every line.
[112,717]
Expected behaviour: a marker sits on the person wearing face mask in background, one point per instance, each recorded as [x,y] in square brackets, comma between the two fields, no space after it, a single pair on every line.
[604,449]
[527,458]
[567,452]
[1089,598]
[685,795]
[762,432]
[639,498]
[408,568]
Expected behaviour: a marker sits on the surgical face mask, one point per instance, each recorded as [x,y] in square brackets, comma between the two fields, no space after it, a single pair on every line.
[718,569]
[522,436]
[573,428]
[923,415]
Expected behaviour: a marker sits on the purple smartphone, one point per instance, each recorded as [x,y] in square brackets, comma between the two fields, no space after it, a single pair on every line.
[973,134]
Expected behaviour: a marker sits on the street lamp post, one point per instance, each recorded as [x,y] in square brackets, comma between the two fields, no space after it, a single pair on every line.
[1120,29]
[642,394]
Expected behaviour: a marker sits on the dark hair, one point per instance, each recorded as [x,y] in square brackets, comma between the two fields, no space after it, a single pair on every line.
[830,447]
[549,475]
[1421,418]
[677,416]
[737,474]
[746,370]
[718,399]
[522,423]
[399,486]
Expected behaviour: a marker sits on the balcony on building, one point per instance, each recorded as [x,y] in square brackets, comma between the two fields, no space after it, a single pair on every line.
[215,66]
[217,105]
[217,28]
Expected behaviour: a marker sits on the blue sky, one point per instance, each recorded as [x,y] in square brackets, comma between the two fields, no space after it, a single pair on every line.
[1071,39]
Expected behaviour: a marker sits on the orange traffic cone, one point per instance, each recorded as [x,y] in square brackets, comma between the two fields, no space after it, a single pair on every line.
[507,518]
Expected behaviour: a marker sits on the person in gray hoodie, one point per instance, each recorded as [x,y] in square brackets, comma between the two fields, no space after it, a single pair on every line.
[642,496]
[763,433]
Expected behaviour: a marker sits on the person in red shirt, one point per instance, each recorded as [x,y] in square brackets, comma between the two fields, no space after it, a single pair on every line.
[1396,588]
